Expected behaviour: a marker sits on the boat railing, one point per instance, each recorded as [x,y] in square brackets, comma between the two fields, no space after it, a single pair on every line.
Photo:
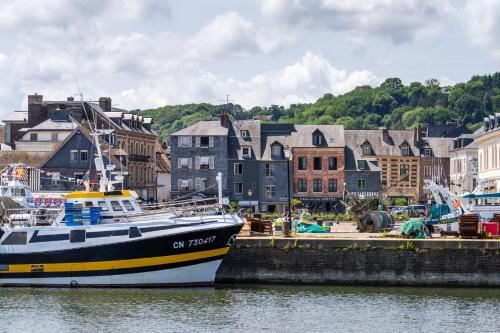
[28,217]
[190,207]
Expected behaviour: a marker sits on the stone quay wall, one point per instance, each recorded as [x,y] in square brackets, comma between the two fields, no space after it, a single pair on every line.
[398,262]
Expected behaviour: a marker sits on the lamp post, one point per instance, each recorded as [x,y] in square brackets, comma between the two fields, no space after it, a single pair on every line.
[287,224]
[250,193]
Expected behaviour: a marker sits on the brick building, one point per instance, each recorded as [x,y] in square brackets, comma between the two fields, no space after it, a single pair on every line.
[318,165]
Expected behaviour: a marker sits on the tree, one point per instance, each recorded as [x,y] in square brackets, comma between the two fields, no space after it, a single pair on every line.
[392,83]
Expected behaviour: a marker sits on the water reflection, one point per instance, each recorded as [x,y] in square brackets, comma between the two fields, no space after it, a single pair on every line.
[250,308]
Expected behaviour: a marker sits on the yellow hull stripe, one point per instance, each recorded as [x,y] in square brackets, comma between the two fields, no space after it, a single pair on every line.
[115,264]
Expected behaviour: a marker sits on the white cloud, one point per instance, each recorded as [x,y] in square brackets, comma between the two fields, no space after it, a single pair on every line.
[483,24]
[229,34]
[400,21]
[26,14]
[303,81]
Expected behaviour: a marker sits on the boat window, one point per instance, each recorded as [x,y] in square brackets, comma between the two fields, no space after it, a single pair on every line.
[16,238]
[116,206]
[103,206]
[77,236]
[128,205]
[134,232]
[89,204]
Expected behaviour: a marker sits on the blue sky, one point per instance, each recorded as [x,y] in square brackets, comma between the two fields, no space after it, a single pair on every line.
[148,53]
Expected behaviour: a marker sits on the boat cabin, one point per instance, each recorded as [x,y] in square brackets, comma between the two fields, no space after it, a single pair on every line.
[114,203]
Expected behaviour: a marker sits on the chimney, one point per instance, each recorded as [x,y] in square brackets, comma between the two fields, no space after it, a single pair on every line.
[224,120]
[71,99]
[36,113]
[417,134]
[105,103]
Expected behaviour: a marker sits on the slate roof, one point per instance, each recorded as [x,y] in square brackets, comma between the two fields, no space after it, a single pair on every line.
[441,147]
[391,147]
[236,141]
[34,159]
[50,125]
[17,116]
[303,134]
[210,127]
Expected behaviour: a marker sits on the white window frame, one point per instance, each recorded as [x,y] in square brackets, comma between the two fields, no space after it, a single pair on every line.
[249,152]
[270,191]
[80,155]
[236,168]
[72,154]
[276,151]
[427,152]
[427,171]
[366,149]
[405,150]
[245,134]
[269,170]
[54,136]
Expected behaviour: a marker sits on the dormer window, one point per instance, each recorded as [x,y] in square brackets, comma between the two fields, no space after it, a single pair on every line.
[366,148]
[246,152]
[276,151]
[427,152]
[362,165]
[245,134]
[318,138]
[405,149]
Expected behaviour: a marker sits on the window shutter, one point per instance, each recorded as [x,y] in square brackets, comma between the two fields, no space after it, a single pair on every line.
[191,184]
[211,162]
[197,162]
[179,184]
[190,163]
[198,141]
[210,141]
[197,183]
[178,142]
[190,141]
[179,164]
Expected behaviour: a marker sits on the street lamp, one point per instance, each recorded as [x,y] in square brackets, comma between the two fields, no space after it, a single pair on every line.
[287,224]
[250,193]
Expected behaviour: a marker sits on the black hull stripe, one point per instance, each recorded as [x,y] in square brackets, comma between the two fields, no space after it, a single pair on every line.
[35,275]
[131,249]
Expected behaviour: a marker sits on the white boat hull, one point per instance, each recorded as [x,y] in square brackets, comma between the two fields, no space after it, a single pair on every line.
[185,253]
[194,275]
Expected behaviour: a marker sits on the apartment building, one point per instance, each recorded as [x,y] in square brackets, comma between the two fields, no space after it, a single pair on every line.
[62,129]
[198,153]
[463,159]
[318,166]
[488,153]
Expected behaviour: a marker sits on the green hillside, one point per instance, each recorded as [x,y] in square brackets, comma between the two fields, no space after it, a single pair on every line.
[392,105]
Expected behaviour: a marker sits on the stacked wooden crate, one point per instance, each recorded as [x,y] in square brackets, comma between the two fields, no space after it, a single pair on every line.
[469,225]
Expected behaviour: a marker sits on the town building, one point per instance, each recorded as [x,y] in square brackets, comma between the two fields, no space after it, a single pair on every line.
[318,166]
[163,174]
[362,173]
[244,156]
[463,160]
[488,153]
[62,128]
[396,154]
[198,153]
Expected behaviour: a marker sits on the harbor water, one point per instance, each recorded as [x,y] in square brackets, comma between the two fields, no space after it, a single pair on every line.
[250,309]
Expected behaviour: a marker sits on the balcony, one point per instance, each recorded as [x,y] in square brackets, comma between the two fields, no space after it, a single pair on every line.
[139,158]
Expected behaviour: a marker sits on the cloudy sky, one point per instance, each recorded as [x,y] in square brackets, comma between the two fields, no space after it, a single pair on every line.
[148,53]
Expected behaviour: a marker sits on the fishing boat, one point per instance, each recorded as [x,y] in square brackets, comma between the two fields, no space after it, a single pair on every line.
[106,239]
